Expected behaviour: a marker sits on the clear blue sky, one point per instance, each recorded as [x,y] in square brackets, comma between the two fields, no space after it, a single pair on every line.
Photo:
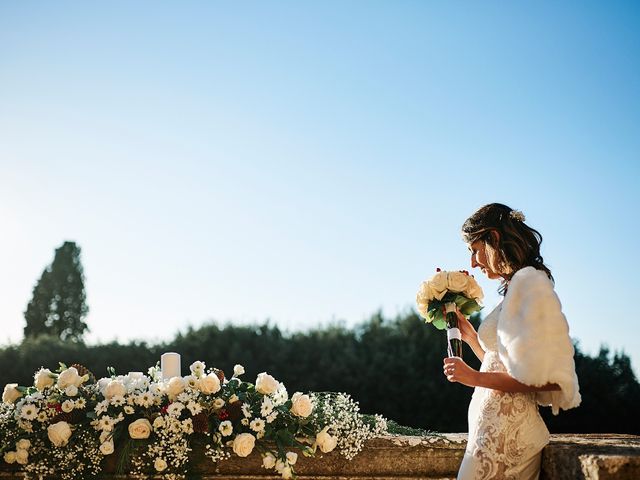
[310,161]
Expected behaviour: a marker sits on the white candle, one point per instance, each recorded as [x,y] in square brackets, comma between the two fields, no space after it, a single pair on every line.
[170,365]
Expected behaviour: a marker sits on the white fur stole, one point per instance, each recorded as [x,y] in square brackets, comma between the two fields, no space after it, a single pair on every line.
[533,339]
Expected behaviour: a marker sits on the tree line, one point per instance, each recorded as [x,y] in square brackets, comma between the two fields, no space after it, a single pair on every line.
[391,366]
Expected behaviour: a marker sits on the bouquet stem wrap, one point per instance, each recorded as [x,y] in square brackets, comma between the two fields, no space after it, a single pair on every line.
[454,337]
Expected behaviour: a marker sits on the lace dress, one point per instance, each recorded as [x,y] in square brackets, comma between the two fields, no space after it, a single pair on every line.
[506,432]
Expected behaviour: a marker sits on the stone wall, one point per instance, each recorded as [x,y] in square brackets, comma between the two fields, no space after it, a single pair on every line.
[570,457]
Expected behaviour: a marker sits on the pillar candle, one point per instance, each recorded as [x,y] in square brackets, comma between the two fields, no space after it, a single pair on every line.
[170,365]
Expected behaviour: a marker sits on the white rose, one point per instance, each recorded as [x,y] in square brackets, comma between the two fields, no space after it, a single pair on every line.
[286,473]
[104,436]
[266,384]
[69,377]
[140,429]
[23,444]
[197,368]
[160,464]
[438,285]
[59,433]
[43,378]
[175,386]
[218,403]
[22,457]
[325,441]
[71,391]
[292,458]
[474,290]
[107,448]
[209,384]
[102,384]
[238,370]
[301,405]
[11,393]
[457,281]
[10,457]
[114,388]
[243,444]
[269,460]
[67,406]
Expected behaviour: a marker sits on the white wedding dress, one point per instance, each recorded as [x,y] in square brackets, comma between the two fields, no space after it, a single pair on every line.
[526,336]
[506,432]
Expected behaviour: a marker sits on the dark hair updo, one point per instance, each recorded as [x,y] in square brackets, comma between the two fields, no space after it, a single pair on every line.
[516,246]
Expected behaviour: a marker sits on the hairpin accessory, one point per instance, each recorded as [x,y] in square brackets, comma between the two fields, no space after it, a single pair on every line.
[517,215]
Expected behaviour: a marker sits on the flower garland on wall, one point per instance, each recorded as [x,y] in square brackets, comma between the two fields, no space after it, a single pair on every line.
[67,423]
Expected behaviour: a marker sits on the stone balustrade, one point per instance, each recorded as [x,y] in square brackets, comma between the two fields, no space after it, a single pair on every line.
[569,457]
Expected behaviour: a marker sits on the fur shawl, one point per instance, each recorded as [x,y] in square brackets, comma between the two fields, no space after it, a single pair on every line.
[533,339]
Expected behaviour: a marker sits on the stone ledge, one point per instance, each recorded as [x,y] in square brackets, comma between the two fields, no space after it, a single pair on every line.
[593,457]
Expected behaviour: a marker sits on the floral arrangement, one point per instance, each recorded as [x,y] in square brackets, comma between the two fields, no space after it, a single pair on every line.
[68,423]
[439,297]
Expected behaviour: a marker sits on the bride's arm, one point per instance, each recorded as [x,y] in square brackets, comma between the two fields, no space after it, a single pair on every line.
[456,370]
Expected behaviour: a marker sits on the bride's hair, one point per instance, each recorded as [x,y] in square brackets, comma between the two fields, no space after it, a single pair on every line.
[516,246]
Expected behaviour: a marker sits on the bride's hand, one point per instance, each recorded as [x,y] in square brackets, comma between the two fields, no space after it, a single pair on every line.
[467,331]
[457,371]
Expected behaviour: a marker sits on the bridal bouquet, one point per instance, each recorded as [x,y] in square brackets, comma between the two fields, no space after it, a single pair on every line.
[439,297]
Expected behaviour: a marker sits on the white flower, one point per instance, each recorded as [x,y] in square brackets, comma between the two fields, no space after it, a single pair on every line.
[128,409]
[226,428]
[29,412]
[104,436]
[268,460]
[286,473]
[233,398]
[267,406]
[117,400]
[59,433]
[175,409]
[101,407]
[43,378]
[11,393]
[140,429]
[69,377]
[114,388]
[187,426]
[10,457]
[71,391]
[80,403]
[194,407]
[175,386]
[325,441]
[292,458]
[257,425]
[457,281]
[106,424]
[42,416]
[272,416]
[218,403]
[197,368]
[301,405]
[280,466]
[192,381]
[160,464]
[246,410]
[209,384]
[23,444]
[243,444]
[67,406]
[438,284]
[238,370]
[102,384]
[159,422]
[107,448]
[22,457]
[266,384]
[245,421]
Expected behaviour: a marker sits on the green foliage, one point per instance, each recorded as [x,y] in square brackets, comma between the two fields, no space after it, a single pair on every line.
[391,366]
[58,306]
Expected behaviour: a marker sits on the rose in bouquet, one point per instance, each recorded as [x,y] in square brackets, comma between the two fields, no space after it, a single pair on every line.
[439,297]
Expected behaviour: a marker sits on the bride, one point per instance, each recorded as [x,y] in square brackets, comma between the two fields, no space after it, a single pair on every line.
[524,346]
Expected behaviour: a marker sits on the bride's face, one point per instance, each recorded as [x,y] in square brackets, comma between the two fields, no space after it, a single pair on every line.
[480,259]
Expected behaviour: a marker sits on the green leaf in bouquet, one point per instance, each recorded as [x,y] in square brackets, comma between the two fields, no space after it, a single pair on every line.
[469,307]
[440,323]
